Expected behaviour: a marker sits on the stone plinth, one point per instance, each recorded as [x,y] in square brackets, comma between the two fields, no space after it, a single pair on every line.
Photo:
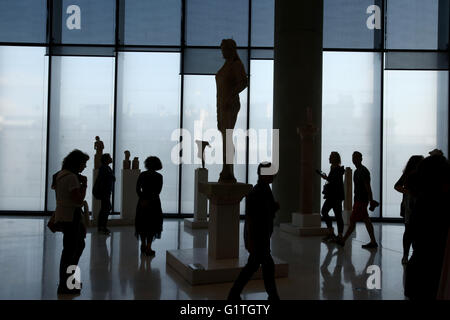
[129,196]
[197,267]
[200,219]
[223,229]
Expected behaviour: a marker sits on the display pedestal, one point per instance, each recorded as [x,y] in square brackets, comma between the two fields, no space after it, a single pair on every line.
[224,258]
[129,198]
[200,220]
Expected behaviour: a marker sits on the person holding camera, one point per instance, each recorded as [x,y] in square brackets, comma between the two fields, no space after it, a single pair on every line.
[333,192]
[362,198]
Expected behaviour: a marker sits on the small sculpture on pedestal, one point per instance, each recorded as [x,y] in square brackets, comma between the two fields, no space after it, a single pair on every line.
[201,150]
[135,163]
[98,146]
[127,161]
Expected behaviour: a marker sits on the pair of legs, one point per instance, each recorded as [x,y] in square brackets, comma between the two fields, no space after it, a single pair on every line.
[73,246]
[253,263]
[146,245]
[406,243]
[359,213]
[105,209]
[336,205]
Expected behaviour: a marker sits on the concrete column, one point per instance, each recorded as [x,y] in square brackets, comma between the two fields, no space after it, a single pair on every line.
[297,86]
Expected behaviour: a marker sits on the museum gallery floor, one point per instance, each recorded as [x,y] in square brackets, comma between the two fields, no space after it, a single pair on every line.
[112,267]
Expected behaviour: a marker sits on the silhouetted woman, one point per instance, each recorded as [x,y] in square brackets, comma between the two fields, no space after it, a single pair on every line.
[429,225]
[149,218]
[70,187]
[334,195]
[408,202]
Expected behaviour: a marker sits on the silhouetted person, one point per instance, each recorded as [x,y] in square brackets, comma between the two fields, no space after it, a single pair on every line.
[102,191]
[408,202]
[363,196]
[149,219]
[260,208]
[334,195]
[70,187]
[429,225]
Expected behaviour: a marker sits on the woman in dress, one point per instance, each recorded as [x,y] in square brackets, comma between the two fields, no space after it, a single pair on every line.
[149,219]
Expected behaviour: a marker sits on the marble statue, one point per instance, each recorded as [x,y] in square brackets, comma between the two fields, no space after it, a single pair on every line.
[135,163]
[201,150]
[231,79]
[127,161]
[98,146]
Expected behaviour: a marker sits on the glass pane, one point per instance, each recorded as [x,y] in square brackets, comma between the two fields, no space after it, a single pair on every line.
[351,111]
[414,24]
[208,22]
[152,22]
[200,123]
[23,129]
[261,116]
[148,111]
[263,23]
[23,21]
[81,107]
[415,122]
[84,21]
[352,24]
[208,61]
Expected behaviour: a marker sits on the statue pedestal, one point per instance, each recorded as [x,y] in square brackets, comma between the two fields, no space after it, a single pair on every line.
[96,204]
[305,225]
[223,260]
[200,220]
[129,196]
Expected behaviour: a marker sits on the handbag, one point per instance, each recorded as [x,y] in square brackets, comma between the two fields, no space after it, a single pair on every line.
[53,225]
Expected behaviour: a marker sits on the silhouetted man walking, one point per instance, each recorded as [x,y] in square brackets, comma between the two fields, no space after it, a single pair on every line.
[259,214]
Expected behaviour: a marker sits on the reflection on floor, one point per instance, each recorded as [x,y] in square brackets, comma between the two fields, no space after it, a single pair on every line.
[112,267]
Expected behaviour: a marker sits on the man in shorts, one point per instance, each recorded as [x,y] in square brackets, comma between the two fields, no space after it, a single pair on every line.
[362,198]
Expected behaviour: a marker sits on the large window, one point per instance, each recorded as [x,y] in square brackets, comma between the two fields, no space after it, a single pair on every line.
[23,126]
[81,108]
[148,111]
[415,122]
[351,111]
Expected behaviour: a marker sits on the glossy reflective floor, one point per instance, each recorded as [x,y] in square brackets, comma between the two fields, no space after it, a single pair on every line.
[112,268]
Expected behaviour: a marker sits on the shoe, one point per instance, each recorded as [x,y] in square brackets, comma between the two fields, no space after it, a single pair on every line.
[404,260]
[340,242]
[373,205]
[370,245]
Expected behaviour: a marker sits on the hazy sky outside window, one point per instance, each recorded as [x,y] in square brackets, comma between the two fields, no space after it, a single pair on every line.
[23,127]
[415,122]
[351,105]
